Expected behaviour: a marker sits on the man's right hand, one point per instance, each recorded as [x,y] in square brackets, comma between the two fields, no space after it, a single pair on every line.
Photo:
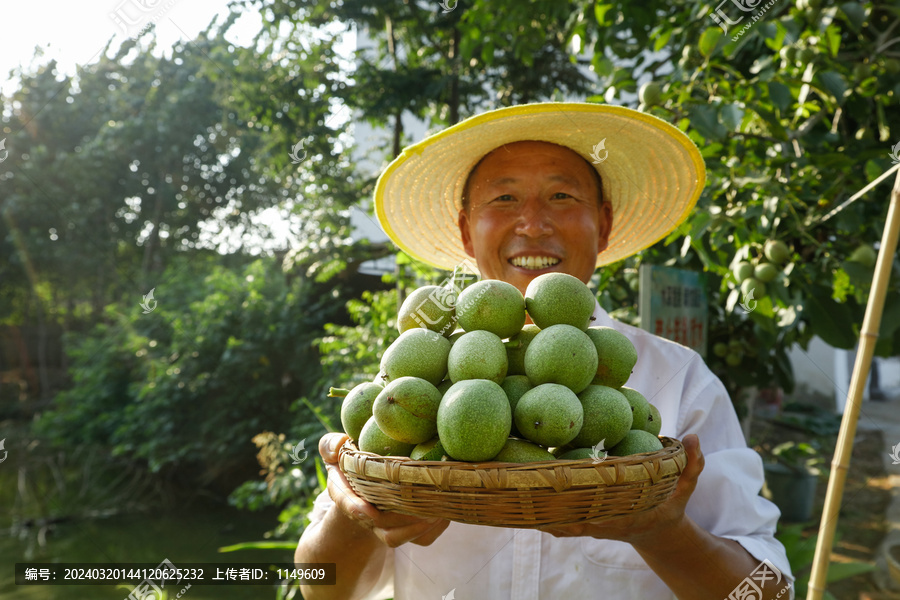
[393,529]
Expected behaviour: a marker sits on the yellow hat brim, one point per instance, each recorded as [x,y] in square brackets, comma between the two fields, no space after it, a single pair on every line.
[652,174]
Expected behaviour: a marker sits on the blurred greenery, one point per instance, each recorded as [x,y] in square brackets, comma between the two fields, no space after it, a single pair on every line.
[144,169]
[224,357]
[801,551]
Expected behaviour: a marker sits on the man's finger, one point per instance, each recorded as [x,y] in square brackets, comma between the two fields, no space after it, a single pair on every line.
[330,444]
[432,534]
[397,536]
[695,463]
[348,502]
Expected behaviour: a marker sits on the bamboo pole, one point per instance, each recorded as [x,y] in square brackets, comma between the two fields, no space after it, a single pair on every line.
[844,448]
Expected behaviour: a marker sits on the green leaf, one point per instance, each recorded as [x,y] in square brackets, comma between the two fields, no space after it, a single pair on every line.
[835,83]
[600,11]
[873,170]
[711,150]
[890,318]
[829,320]
[704,118]
[761,63]
[487,53]
[699,222]
[772,122]
[780,95]
[841,285]
[466,45]
[662,40]
[775,36]
[731,115]
[603,66]
[709,39]
[839,571]
[763,313]
[833,38]
[320,415]
[856,14]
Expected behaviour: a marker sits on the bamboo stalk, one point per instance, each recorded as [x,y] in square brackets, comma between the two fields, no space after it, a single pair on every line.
[844,448]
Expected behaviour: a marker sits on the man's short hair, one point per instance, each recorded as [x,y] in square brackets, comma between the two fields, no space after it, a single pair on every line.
[596,176]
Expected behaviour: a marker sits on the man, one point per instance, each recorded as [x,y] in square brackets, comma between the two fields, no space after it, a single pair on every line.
[514,189]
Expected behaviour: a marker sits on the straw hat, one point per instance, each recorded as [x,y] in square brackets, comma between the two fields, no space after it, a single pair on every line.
[652,174]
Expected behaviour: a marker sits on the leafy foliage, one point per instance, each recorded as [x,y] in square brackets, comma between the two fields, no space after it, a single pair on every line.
[186,388]
[784,114]
[801,552]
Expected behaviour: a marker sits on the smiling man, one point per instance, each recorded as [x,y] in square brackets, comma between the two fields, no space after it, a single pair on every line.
[519,190]
[533,207]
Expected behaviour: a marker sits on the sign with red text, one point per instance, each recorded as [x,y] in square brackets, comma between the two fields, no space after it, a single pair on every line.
[673,305]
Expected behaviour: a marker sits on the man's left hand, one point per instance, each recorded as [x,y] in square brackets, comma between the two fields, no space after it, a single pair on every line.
[650,526]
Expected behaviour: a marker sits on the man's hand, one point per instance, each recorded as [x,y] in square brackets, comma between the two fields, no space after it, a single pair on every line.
[646,528]
[694,563]
[393,529]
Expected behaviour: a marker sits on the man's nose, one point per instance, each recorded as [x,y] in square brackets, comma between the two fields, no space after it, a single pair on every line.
[534,219]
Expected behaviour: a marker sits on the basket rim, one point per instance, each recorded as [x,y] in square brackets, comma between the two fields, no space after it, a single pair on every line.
[472,476]
[670,446]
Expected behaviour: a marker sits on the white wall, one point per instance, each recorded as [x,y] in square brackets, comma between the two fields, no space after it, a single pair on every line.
[814,367]
[826,370]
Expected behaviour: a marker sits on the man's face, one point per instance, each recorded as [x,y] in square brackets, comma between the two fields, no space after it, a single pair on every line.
[533,209]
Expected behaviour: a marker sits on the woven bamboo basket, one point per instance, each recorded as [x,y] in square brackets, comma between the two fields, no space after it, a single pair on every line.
[526,495]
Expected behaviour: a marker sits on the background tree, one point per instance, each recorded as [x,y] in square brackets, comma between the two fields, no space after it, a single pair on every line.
[107,195]
[792,113]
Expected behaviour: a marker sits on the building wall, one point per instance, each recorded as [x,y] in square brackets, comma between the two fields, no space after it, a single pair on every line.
[824,370]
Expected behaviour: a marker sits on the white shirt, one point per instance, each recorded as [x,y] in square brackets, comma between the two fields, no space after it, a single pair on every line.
[496,563]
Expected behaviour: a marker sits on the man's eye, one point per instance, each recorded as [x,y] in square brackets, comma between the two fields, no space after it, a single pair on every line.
[504,198]
[561,196]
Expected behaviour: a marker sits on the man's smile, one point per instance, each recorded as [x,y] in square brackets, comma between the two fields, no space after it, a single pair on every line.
[533,262]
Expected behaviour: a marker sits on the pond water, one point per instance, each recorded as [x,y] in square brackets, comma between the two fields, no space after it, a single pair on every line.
[192,534]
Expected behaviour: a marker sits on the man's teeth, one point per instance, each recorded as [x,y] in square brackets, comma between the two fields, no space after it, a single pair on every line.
[534,262]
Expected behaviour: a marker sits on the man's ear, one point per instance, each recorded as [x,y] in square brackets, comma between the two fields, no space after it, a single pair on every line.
[604,226]
[464,234]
